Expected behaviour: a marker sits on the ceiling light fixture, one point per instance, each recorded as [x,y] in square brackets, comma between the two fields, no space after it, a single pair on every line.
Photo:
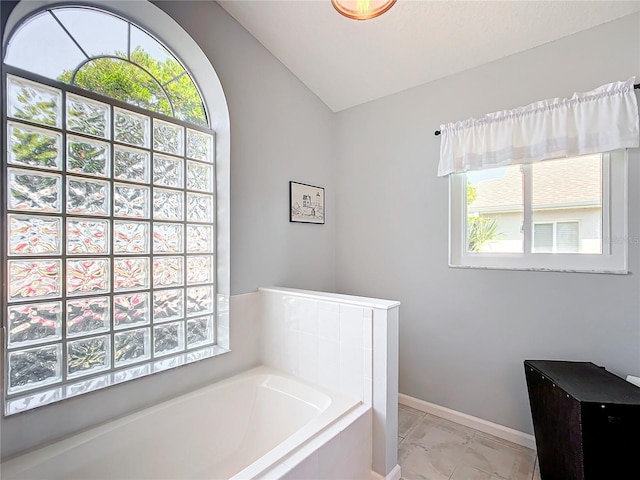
[362,9]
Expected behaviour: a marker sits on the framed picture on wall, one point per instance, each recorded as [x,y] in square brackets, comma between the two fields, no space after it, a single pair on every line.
[306,203]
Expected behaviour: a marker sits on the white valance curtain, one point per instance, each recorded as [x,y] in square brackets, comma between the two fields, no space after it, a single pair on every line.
[601,120]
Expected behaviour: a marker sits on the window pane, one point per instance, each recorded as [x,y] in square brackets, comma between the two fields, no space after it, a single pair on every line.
[54,54]
[130,310]
[167,171]
[89,315]
[199,238]
[199,208]
[142,41]
[131,164]
[186,100]
[130,274]
[199,269]
[31,279]
[97,33]
[87,116]
[34,367]
[131,128]
[568,237]
[87,275]
[183,93]
[167,271]
[168,238]
[34,147]
[199,145]
[123,81]
[130,201]
[199,300]
[567,195]
[88,355]
[168,137]
[33,191]
[34,323]
[199,331]
[87,236]
[34,102]
[168,338]
[87,197]
[87,157]
[495,210]
[130,237]
[543,237]
[167,204]
[132,346]
[30,235]
[199,176]
[168,305]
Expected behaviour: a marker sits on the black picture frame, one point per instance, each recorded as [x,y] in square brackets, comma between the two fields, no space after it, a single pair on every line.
[306,203]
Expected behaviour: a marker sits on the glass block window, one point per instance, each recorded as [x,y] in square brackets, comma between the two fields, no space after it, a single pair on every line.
[110,246]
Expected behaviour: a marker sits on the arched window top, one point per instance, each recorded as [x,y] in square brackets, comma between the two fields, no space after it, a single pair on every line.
[103,53]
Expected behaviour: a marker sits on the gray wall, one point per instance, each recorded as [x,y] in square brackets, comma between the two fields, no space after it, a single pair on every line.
[280,131]
[465,333]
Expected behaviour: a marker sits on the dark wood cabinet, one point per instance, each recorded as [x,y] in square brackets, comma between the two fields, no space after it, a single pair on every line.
[586,421]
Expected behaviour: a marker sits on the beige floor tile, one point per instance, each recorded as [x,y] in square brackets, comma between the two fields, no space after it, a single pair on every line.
[536,471]
[470,473]
[418,463]
[444,437]
[432,448]
[407,419]
[497,459]
[504,442]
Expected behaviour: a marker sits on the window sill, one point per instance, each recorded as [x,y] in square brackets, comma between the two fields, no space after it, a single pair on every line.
[539,269]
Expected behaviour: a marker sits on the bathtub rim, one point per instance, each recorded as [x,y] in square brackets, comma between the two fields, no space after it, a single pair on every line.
[340,405]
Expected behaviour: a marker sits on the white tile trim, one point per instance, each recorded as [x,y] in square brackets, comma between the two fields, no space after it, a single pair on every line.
[394,474]
[484,426]
[335,297]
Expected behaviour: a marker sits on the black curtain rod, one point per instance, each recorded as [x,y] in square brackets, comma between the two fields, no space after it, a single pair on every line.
[636,86]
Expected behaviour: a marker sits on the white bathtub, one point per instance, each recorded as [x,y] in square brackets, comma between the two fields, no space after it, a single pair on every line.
[238,428]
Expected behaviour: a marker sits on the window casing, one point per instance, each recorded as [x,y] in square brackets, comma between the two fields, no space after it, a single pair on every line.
[608,256]
[125,250]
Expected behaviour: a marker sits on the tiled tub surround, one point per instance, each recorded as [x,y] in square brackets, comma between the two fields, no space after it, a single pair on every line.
[243,427]
[343,343]
[255,425]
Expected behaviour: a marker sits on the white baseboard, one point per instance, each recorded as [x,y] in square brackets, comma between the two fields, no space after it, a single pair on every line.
[394,474]
[485,426]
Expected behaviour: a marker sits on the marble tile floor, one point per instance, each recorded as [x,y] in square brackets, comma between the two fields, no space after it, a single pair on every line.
[432,448]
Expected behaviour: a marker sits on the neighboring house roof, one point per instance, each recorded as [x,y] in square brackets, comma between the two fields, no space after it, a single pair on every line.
[572,182]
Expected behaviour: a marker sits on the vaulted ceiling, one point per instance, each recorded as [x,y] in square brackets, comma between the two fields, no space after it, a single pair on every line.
[347,62]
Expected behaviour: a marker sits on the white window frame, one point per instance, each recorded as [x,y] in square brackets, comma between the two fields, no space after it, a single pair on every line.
[613,258]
